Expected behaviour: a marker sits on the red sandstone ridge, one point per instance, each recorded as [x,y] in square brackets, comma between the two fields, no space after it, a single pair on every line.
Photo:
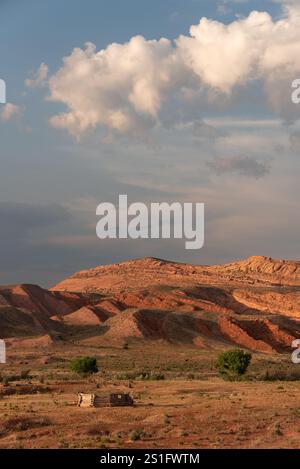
[253,303]
[265,269]
[27,310]
[256,270]
[87,316]
[159,325]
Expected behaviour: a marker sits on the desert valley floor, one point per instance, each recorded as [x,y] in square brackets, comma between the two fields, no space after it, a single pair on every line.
[156,329]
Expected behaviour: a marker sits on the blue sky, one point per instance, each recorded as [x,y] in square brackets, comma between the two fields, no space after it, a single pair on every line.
[234,146]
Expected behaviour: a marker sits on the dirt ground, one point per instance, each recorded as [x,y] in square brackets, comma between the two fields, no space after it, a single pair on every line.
[182,404]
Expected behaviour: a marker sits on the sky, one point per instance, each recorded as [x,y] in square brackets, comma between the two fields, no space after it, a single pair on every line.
[167,100]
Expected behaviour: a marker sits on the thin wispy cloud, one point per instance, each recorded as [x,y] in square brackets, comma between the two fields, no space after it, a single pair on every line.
[39,77]
[10,111]
[242,165]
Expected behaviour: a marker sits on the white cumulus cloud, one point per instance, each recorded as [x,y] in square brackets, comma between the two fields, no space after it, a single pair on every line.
[126,87]
[121,87]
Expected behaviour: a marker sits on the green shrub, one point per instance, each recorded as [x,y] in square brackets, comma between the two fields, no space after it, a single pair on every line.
[25,374]
[6,380]
[84,366]
[233,363]
[136,435]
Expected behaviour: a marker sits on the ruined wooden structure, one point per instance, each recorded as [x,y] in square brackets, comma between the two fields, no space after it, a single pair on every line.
[104,400]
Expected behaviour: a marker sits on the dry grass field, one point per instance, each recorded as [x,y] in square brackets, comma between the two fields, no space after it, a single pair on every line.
[180,401]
